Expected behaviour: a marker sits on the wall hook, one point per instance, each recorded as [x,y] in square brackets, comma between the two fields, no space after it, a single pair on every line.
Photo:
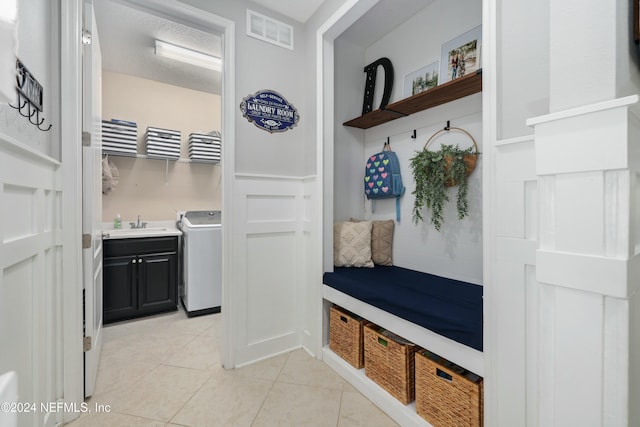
[37,117]
[30,94]
[32,113]
[414,135]
[21,106]
[24,115]
[25,104]
[47,129]
[448,126]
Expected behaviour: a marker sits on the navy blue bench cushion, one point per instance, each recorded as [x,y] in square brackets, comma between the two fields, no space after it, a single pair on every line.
[448,307]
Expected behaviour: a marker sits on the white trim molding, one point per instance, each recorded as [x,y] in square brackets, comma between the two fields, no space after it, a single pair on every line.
[71,131]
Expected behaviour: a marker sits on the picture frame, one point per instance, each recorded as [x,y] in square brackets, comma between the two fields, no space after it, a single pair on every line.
[422,79]
[460,56]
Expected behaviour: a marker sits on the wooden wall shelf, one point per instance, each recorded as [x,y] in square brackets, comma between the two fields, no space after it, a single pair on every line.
[447,92]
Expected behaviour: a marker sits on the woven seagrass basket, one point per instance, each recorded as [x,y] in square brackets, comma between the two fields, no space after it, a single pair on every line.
[389,362]
[345,336]
[470,160]
[447,395]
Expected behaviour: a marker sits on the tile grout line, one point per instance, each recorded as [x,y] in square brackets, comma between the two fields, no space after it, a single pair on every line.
[340,406]
[283,373]
[165,362]
[190,398]
[153,367]
[273,383]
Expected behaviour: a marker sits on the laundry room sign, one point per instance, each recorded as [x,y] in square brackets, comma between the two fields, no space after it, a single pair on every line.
[269,111]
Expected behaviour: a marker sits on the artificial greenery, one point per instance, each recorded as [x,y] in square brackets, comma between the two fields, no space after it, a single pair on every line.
[433,171]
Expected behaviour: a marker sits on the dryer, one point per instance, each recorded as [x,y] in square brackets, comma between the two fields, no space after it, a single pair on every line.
[202,262]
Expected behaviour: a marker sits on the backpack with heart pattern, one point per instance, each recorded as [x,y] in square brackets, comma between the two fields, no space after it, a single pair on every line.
[382,179]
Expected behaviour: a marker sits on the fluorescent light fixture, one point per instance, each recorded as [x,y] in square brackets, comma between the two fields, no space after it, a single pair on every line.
[189,56]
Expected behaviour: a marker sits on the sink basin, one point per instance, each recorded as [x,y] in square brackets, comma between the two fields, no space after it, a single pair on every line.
[128,233]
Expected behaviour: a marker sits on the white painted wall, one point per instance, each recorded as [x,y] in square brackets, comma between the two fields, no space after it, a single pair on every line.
[348,160]
[523,65]
[455,251]
[595,28]
[37,51]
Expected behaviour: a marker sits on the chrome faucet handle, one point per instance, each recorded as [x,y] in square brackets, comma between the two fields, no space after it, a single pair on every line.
[132,224]
[144,225]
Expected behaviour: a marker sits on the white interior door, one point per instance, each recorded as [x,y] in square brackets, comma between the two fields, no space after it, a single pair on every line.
[92,198]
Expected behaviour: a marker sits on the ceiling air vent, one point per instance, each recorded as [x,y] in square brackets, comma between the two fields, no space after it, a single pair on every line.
[269,30]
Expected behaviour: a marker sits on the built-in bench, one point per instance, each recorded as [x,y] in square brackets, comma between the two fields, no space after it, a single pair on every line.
[440,314]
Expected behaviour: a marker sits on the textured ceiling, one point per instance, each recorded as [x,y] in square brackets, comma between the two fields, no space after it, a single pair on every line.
[127,38]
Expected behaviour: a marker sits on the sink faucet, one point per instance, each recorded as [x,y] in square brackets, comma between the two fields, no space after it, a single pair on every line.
[138,224]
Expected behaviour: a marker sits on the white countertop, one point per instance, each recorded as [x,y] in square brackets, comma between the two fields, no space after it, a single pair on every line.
[153,229]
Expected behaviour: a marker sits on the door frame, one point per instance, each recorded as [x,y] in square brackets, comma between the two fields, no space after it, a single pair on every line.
[71,130]
[71,153]
[91,198]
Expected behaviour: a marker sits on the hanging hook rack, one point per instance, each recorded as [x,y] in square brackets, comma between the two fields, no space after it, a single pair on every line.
[39,121]
[21,106]
[31,92]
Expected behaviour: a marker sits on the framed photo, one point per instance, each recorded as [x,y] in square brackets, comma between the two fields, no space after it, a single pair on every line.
[420,80]
[461,55]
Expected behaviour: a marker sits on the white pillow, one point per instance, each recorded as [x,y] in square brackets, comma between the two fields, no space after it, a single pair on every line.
[352,244]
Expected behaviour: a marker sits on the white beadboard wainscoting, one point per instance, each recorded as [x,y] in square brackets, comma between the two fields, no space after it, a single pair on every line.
[271,232]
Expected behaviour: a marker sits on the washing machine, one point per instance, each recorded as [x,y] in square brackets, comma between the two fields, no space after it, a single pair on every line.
[201,262]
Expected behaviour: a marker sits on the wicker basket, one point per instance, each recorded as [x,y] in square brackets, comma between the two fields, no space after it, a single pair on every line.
[447,395]
[389,361]
[470,160]
[345,336]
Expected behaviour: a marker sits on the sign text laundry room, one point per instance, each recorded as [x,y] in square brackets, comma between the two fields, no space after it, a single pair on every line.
[269,111]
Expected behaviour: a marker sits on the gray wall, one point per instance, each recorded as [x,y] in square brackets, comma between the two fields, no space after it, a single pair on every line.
[522,58]
[260,65]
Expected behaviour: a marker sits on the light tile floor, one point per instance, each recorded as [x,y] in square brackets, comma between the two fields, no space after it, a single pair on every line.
[165,371]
